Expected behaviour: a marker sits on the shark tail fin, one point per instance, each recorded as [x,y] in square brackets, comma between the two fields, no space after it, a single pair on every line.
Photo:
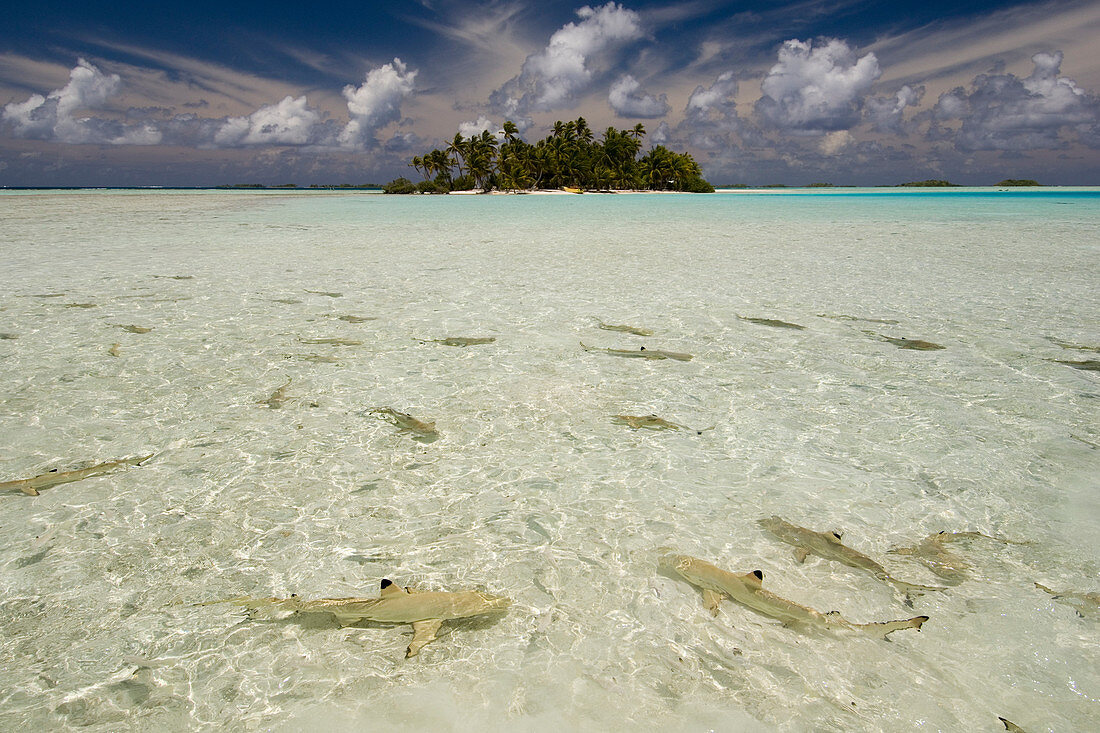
[885,628]
[286,604]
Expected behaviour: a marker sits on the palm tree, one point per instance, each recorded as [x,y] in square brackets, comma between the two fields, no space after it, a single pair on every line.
[458,149]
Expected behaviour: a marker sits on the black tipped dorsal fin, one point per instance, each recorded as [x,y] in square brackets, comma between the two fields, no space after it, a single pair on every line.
[755,578]
[389,588]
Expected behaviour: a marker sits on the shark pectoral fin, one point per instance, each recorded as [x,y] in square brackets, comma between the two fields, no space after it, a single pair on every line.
[423,632]
[29,490]
[712,600]
[800,554]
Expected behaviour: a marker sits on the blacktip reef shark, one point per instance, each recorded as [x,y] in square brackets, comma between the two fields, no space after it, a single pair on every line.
[1085,604]
[906,343]
[624,329]
[773,323]
[1010,726]
[133,329]
[278,397]
[828,546]
[425,610]
[331,341]
[1088,365]
[1071,345]
[32,486]
[642,353]
[460,340]
[424,431]
[950,567]
[652,422]
[747,589]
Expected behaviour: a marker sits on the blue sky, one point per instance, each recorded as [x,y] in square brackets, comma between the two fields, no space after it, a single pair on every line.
[843,91]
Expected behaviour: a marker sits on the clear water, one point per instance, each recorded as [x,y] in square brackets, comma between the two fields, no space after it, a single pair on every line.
[532,491]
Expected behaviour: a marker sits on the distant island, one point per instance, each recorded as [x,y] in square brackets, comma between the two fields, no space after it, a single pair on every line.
[465,182]
[570,158]
[930,183]
[326,186]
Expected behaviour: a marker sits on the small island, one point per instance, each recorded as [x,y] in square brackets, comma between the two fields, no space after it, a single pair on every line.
[569,158]
[1018,182]
[931,183]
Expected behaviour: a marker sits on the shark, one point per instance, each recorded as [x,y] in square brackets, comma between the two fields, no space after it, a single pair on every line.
[33,486]
[462,340]
[1010,726]
[114,350]
[651,422]
[948,566]
[642,353]
[748,590]
[773,323]
[1086,604]
[829,546]
[843,317]
[624,329]
[907,343]
[424,431]
[134,329]
[425,610]
[331,341]
[278,397]
[1088,365]
[1071,345]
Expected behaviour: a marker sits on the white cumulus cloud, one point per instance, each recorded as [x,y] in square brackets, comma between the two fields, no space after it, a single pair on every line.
[480,125]
[715,103]
[835,142]
[554,77]
[55,116]
[376,103]
[814,89]
[1004,112]
[290,122]
[885,113]
[627,99]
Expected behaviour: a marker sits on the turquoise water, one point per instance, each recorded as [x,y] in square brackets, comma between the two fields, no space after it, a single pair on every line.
[532,491]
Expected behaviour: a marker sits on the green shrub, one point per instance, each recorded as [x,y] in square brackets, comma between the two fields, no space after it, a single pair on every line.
[399,185]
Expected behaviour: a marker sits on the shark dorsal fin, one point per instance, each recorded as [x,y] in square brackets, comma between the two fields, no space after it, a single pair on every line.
[390,588]
[755,578]
[837,535]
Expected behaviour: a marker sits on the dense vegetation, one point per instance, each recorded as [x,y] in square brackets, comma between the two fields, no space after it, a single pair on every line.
[1018,182]
[570,157]
[931,183]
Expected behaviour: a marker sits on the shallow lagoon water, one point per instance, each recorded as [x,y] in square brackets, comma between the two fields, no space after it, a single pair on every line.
[532,491]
